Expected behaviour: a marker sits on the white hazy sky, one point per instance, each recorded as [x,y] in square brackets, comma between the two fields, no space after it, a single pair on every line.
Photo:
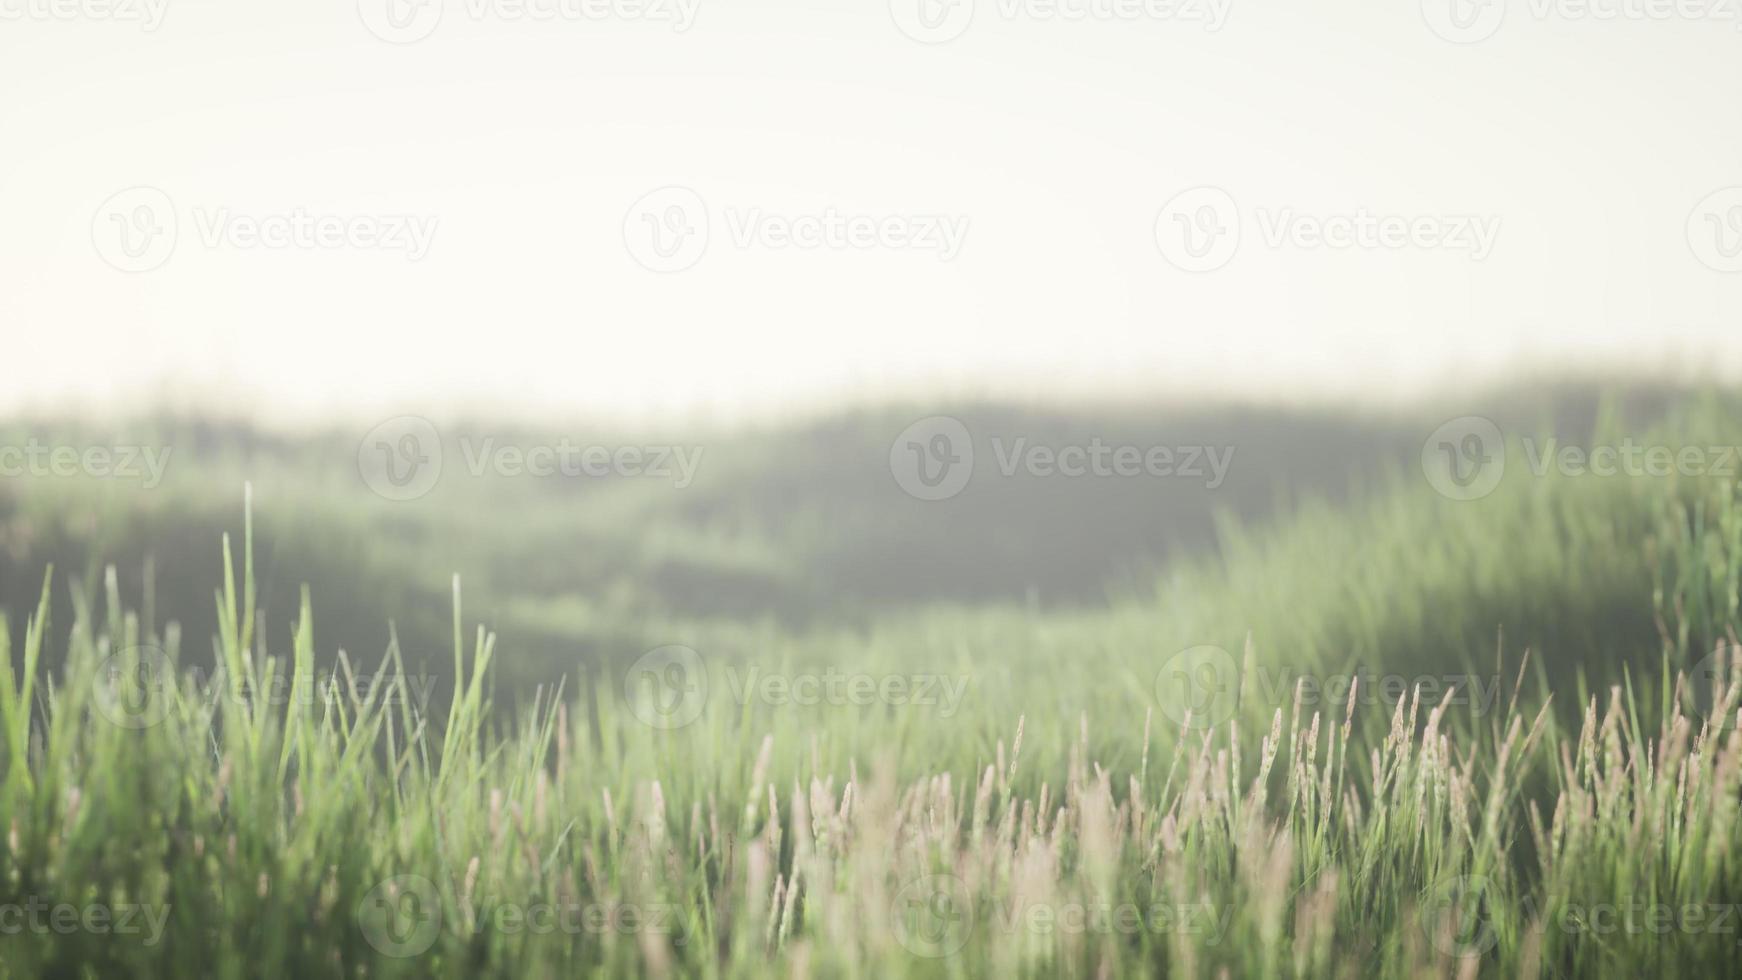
[1596,143]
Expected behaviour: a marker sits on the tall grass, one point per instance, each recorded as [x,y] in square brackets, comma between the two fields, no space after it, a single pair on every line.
[276,821]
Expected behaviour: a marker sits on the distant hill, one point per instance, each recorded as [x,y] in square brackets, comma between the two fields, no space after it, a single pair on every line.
[798,527]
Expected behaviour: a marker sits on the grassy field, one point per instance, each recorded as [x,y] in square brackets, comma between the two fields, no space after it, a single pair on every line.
[1362,730]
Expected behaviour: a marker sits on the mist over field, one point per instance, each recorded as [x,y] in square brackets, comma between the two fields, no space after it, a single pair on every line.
[580,545]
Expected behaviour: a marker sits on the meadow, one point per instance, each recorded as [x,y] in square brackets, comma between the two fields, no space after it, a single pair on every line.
[1320,721]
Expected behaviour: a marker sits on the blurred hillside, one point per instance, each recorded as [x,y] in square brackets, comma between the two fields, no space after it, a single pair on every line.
[784,531]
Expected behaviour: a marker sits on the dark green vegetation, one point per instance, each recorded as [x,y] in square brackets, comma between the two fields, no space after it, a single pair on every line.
[1084,803]
[789,530]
